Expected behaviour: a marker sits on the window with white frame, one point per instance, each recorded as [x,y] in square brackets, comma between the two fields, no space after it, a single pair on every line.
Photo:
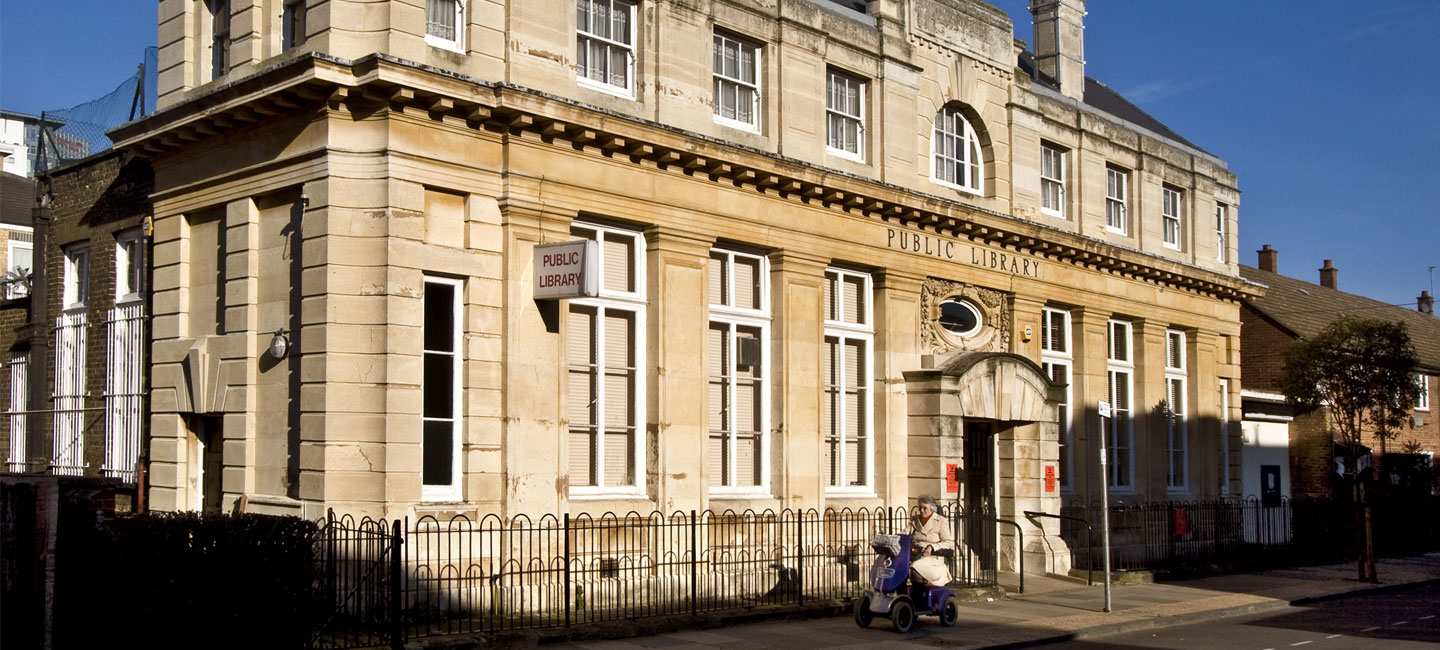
[1120,443]
[1057,359]
[737,350]
[606,356]
[1224,437]
[737,82]
[129,266]
[604,42]
[1177,443]
[441,390]
[77,277]
[1170,216]
[845,115]
[219,13]
[846,417]
[1422,399]
[445,23]
[957,160]
[1117,199]
[292,23]
[1052,180]
[20,258]
[1222,224]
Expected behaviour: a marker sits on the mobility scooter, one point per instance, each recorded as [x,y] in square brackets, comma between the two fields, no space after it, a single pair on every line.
[892,593]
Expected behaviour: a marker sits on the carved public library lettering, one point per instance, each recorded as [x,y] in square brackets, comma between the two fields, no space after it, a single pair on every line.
[948,249]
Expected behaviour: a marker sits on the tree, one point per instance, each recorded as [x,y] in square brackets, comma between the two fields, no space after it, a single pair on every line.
[1363,371]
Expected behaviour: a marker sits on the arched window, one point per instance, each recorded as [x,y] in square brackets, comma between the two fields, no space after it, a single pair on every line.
[957,152]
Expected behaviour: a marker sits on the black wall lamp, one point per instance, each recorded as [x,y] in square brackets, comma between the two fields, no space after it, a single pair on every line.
[279,345]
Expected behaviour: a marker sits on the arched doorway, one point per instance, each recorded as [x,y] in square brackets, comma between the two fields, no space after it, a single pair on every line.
[982,428]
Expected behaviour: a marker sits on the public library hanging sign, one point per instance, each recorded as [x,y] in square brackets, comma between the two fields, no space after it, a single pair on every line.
[567,270]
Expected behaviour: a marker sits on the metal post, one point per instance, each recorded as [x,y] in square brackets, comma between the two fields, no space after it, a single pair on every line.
[800,555]
[566,533]
[694,564]
[1105,512]
[397,623]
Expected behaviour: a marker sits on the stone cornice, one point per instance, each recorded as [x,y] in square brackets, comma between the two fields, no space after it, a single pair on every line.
[316,83]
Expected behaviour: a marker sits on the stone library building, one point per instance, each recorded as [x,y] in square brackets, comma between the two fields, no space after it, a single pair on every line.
[530,257]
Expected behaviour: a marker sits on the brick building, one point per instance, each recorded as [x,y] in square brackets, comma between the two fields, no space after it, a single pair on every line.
[17,198]
[79,355]
[1301,451]
[915,266]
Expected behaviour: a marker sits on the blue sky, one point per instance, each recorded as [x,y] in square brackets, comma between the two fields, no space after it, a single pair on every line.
[1327,110]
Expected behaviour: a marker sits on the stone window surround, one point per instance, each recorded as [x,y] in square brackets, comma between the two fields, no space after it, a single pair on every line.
[456,44]
[953,126]
[844,332]
[633,303]
[1062,355]
[1172,211]
[1121,368]
[724,39]
[1177,425]
[1117,196]
[629,46]
[732,318]
[844,115]
[1053,157]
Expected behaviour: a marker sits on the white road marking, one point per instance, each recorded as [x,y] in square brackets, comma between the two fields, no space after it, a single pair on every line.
[1300,643]
[1399,623]
[1370,629]
[1334,636]
[1426,618]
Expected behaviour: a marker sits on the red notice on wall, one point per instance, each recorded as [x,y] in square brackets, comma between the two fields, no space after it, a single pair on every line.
[952,478]
[1049,478]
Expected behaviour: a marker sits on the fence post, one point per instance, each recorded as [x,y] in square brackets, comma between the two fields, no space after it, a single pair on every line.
[800,555]
[694,564]
[566,533]
[397,623]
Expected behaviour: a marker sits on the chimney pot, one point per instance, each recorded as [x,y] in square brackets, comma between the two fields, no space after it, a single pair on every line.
[1329,276]
[1426,303]
[1269,259]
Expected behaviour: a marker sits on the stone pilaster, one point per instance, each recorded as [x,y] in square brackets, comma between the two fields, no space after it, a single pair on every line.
[797,335]
[677,262]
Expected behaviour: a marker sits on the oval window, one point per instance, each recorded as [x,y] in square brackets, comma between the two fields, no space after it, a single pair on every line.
[960,318]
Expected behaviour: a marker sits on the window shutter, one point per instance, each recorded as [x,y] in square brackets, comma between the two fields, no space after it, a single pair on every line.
[854,300]
[747,460]
[830,312]
[747,290]
[715,280]
[715,461]
[581,457]
[618,467]
[619,271]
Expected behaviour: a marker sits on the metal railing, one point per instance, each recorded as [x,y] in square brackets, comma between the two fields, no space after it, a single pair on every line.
[435,577]
[124,394]
[67,455]
[1170,535]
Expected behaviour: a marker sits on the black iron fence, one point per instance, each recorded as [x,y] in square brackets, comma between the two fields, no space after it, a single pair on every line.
[392,581]
[1173,535]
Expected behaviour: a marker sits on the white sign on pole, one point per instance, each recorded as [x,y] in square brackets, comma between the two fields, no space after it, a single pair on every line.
[567,270]
[1104,409]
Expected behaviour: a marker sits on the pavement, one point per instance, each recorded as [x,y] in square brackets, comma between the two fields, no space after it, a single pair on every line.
[1052,609]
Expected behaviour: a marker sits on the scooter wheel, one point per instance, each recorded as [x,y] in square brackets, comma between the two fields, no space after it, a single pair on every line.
[902,614]
[863,615]
[949,612]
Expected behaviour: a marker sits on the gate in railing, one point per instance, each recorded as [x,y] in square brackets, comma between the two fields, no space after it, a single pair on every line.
[385,583]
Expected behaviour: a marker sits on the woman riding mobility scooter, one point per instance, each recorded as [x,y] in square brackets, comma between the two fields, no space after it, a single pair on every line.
[894,593]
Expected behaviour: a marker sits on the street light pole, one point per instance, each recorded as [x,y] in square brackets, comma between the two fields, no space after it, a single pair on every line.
[1105,501]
